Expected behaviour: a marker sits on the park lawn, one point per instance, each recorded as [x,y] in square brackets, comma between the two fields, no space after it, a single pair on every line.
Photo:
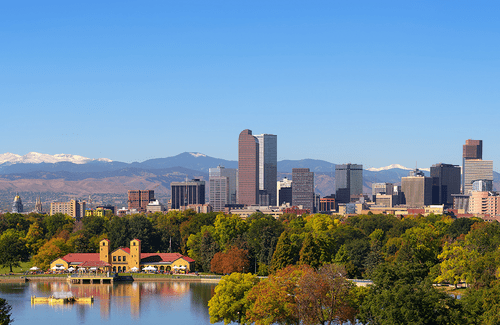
[23,268]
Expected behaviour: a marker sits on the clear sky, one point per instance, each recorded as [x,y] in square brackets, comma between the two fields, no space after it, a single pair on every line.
[370,82]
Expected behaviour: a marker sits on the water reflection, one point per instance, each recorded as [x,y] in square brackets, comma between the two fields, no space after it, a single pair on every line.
[145,301]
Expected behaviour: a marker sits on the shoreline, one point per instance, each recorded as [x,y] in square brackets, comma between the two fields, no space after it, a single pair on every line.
[24,279]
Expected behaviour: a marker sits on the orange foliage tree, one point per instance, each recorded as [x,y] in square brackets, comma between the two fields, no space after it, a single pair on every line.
[233,260]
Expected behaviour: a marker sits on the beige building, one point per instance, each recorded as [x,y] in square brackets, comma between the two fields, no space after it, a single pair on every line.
[73,208]
[484,203]
[124,259]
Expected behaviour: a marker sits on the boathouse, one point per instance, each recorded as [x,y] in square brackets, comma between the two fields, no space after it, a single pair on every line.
[125,259]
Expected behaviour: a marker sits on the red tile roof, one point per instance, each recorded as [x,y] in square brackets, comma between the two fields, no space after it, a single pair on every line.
[125,249]
[81,257]
[167,257]
[94,264]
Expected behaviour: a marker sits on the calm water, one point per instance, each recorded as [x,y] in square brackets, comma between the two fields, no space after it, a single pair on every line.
[144,302]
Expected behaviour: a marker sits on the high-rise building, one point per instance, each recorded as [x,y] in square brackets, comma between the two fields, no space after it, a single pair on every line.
[381,188]
[284,189]
[348,181]
[73,208]
[303,188]
[474,167]
[187,193]
[484,203]
[17,205]
[474,170]
[139,199]
[446,181]
[417,189]
[248,168]
[222,187]
[268,166]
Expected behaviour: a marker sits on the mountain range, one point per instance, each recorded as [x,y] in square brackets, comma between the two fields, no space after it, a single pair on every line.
[82,176]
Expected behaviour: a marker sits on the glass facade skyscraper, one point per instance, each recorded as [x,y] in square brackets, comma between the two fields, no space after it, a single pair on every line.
[268,166]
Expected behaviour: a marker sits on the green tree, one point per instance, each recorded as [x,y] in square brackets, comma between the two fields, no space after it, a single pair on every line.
[284,254]
[13,249]
[310,253]
[401,294]
[56,223]
[227,229]
[5,315]
[230,303]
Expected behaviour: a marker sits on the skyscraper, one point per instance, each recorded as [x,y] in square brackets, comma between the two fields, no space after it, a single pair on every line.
[348,181]
[474,167]
[446,181]
[188,192]
[303,188]
[417,189]
[268,166]
[139,199]
[248,168]
[222,187]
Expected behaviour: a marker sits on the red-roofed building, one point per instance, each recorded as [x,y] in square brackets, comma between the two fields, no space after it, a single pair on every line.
[124,259]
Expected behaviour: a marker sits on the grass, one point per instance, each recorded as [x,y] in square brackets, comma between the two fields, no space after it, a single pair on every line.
[24,266]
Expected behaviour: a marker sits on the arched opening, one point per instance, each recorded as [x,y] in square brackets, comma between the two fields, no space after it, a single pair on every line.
[162,268]
[124,268]
[119,269]
[114,269]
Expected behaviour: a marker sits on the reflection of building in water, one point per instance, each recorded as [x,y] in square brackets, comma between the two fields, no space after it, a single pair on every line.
[121,297]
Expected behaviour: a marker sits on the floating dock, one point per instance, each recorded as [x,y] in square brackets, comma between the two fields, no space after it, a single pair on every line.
[55,301]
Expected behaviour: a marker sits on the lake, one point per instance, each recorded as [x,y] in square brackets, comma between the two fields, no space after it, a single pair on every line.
[125,303]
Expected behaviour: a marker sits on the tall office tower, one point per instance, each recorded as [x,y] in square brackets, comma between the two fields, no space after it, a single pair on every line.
[417,189]
[473,149]
[381,188]
[188,192]
[139,200]
[268,166]
[303,188]
[284,189]
[222,187]
[248,168]
[17,205]
[446,181]
[348,181]
[474,170]
[474,167]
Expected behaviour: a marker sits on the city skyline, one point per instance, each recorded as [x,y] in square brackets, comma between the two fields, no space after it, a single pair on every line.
[400,83]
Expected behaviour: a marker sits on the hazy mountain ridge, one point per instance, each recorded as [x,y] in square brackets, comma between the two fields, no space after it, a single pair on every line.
[103,176]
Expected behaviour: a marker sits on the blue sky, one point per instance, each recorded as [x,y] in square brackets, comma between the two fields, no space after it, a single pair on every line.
[371,82]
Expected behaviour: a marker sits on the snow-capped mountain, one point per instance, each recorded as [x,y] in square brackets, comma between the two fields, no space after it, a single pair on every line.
[394,166]
[38,158]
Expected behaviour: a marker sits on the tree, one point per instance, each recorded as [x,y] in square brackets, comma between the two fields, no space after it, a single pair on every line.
[54,248]
[325,296]
[273,300]
[283,255]
[227,229]
[57,222]
[230,303]
[13,248]
[310,253]
[402,295]
[233,260]
[5,315]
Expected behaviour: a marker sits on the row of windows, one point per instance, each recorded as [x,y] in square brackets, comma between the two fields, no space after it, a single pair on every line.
[119,258]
